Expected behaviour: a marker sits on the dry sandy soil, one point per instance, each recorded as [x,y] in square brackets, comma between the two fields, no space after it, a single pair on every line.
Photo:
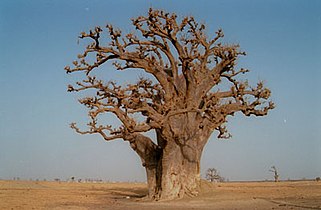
[233,195]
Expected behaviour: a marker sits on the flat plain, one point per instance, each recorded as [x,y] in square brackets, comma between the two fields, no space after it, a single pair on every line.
[119,196]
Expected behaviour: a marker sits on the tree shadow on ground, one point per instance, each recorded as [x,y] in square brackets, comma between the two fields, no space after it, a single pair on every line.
[127,192]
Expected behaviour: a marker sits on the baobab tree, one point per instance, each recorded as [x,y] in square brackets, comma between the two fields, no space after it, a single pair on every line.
[194,88]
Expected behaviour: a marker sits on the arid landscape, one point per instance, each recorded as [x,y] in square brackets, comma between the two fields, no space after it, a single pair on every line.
[230,195]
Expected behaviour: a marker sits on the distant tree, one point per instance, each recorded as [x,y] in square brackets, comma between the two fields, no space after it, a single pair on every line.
[276,173]
[317,179]
[213,175]
[196,87]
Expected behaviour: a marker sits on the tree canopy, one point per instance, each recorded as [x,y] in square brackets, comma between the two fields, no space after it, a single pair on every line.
[187,66]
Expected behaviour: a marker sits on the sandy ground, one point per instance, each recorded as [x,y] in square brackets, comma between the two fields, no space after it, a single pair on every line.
[233,195]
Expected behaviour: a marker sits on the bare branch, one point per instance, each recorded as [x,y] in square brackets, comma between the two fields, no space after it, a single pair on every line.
[187,66]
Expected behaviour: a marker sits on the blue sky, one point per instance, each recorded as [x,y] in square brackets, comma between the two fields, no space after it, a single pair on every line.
[38,38]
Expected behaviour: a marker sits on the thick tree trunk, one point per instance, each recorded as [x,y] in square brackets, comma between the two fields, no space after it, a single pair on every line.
[179,165]
[180,172]
[184,140]
[173,165]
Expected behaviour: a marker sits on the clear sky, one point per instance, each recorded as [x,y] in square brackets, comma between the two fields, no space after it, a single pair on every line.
[39,37]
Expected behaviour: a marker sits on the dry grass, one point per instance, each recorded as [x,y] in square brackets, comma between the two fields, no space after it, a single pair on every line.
[245,195]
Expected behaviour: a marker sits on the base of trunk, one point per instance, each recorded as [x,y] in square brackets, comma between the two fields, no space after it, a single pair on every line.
[172,166]
[177,175]
[177,185]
